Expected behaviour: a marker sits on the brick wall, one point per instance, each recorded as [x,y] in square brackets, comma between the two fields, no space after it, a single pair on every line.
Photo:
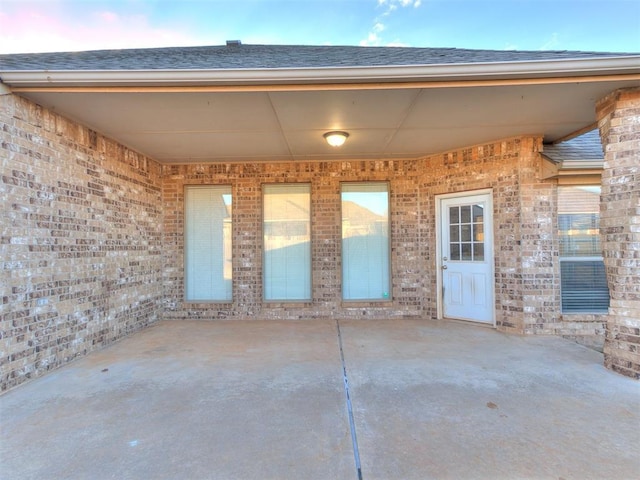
[325,179]
[527,268]
[80,240]
[619,121]
[92,238]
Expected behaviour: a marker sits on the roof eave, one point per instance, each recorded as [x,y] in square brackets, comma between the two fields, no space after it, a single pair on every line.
[572,165]
[607,66]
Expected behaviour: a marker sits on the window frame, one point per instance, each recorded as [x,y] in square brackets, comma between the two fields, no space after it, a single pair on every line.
[309,298]
[230,298]
[566,259]
[389,286]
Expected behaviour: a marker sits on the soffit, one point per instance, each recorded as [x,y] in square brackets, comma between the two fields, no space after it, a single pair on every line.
[270,103]
[185,126]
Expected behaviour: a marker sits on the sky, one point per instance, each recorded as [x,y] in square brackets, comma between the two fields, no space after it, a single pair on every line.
[71,25]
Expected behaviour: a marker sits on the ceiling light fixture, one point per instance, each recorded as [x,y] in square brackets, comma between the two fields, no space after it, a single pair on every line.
[336,138]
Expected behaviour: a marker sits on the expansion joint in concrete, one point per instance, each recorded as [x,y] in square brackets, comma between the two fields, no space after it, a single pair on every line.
[352,425]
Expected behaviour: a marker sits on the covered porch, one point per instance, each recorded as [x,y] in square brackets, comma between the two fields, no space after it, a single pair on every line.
[374,399]
[99,149]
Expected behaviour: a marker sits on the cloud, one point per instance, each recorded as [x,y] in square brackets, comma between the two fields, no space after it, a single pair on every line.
[37,29]
[393,4]
[397,43]
[108,16]
[388,8]
[552,43]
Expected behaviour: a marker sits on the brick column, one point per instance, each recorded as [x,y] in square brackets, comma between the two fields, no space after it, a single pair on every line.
[619,123]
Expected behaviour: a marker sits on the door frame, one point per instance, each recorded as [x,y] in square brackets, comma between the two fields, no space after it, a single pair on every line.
[438,202]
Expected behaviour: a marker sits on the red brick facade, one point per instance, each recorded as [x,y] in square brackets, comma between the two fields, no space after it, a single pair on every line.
[81,241]
[619,123]
[92,238]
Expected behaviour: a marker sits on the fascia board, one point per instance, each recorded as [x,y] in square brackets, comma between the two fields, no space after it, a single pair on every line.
[581,165]
[626,65]
[551,168]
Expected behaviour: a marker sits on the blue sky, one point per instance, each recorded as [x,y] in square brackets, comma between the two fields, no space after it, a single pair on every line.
[65,25]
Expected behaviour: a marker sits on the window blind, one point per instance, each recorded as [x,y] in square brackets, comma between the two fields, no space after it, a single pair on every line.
[208,269]
[584,286]
[365,241]
[287,241]
[582,275]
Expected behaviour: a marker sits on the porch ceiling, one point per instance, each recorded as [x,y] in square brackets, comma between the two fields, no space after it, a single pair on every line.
[284,123]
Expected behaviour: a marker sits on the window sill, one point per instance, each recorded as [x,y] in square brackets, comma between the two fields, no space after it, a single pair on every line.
[208,303]
[286,304]
[366,303]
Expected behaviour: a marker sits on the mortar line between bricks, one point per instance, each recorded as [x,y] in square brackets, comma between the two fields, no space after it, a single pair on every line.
[352,425]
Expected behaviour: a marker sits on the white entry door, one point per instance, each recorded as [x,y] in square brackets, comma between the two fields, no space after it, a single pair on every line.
[466,256]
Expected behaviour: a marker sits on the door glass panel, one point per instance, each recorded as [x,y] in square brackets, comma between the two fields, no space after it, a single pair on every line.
[454,233]
[466,252]
[465,212]
[454,215]
[466,233]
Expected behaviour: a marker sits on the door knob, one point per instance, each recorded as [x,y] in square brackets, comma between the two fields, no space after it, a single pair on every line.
[444,267]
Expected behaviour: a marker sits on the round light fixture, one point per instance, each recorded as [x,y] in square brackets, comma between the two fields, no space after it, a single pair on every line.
[336,138]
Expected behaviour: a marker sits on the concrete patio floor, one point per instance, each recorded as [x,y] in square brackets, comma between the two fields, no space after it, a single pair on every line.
[267,400]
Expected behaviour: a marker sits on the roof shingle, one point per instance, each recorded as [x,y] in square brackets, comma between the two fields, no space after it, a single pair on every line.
[586,147]
[274,56]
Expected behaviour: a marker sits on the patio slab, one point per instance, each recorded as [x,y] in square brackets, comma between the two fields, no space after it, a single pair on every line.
[187,400]
[455,401]
[266,399]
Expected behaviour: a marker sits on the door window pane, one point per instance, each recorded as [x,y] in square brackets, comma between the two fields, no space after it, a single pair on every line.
[454,233]
[478,251]
[465,214]
[365,241]
[466,252]
[455,251]
[454,215]
[287,241]
[208,243]
[466,233]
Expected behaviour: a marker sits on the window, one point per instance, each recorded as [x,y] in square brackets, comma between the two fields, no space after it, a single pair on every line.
[287,242]
[582,275]
[365,241]
[466,233]
[208,243]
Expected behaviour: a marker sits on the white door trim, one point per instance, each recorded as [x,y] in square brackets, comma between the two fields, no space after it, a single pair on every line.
[438,202]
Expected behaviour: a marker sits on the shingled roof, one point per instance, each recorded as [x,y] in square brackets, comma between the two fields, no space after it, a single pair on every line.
[586,147]
[399,102]
[238,56]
